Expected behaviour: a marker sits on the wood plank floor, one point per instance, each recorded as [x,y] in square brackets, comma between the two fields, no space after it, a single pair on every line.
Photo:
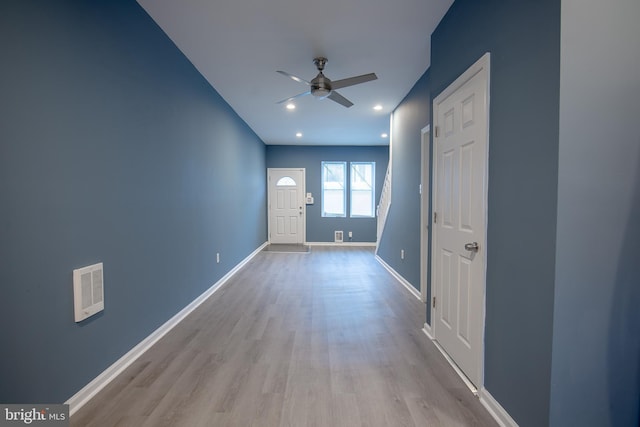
[327,338]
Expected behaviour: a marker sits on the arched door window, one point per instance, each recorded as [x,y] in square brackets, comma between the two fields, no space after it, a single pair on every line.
[286,181]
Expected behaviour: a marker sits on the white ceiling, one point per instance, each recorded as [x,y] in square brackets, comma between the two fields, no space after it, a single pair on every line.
[238,45]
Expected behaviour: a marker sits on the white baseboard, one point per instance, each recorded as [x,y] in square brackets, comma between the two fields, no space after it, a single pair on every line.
[496,410]
[76,401]
[428,331]
[402,280]
[365,244]
[448,358]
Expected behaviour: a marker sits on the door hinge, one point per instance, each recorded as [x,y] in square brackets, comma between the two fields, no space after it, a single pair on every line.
[436,131]
[434,302]
[435,217]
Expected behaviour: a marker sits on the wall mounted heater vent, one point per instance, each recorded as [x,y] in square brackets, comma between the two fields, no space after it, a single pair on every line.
[338,236]
[88,291]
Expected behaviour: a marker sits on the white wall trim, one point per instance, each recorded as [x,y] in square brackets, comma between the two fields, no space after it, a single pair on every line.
[425,196]
[365,244]
[496,410]
[76,401]
[428,331]
[399,278]
[448,358]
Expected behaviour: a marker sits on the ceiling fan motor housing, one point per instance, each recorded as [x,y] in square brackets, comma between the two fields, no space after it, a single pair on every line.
[320,86]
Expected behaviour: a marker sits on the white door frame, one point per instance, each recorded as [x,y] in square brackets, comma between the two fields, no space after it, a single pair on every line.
[425,134]
[302,201]
[482,63]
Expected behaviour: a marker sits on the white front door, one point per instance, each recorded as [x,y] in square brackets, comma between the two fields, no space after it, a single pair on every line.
[460,209]
[286,205]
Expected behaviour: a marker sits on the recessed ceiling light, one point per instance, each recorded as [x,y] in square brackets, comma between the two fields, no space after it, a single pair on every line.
[384,135]
[299,134]
[378,107]
[291,106]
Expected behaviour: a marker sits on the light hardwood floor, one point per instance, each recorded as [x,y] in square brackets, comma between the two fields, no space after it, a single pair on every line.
[327,338]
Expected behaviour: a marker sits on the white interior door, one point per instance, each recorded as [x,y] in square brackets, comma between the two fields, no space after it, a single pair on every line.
[286,205]
[460,200]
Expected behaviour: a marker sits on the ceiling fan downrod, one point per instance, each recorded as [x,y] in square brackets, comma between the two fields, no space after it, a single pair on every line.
[320,62]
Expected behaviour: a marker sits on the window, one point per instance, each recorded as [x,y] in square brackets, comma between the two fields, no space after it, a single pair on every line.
[362,189]
[333,189]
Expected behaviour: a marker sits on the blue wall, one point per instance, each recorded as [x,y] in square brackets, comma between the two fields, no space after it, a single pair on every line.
[523,38]
[402,229]
[113,148]
[596,342]
[321,229]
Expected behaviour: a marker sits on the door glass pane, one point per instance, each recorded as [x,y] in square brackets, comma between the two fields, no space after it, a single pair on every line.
[286,181]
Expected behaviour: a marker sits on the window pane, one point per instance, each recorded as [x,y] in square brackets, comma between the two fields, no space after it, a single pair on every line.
[333,188]
[362,189]
[361,203]
[334,202]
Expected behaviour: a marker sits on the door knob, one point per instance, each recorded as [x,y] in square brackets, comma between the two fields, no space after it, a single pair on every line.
[471,247]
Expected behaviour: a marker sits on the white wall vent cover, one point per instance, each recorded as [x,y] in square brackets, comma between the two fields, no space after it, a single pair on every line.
[337,237]
[88,291]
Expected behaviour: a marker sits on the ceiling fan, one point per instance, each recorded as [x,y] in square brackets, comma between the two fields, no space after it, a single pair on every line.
[323,87]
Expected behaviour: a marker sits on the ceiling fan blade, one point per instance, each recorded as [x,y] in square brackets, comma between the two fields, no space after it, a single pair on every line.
[294,97]
[337,84]
[335,96]
[296,78]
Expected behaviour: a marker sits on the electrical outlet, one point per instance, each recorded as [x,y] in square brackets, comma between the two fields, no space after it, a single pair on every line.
[401,253]
[350,234]
[218,258]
